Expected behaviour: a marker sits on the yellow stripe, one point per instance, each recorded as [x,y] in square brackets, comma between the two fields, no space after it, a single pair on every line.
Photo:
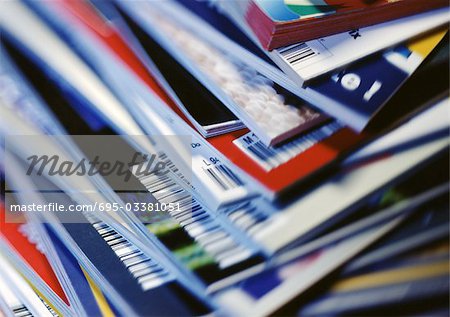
[98,295]
[36,290]
[438,249]
[424,45]
[49,303]
[392,276]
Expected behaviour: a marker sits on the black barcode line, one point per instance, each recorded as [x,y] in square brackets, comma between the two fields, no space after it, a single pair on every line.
[220,174]
[288,48]
[223,176]
[21,311]
[214,175]
[295,50]
[164,158]
[264,153]
[230,175]
[297,53]
[249,224]
[301,56]
[270,158]
[148,273]
[194,218]
[50,309]
[247,217]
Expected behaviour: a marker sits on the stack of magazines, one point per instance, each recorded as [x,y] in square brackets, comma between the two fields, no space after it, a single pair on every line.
[224,157]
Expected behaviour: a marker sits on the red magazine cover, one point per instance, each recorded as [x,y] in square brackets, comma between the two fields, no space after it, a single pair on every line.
[289,173]
[278,23]
[19,236]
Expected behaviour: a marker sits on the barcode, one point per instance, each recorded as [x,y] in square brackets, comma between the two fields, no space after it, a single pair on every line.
[148,273]
[247,217]
[193,217]
[223,176]
[50,309]
[172,167]
[297,53]
[269,158]
[21,311]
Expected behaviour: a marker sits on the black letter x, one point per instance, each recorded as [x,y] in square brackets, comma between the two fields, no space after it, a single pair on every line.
[355,34]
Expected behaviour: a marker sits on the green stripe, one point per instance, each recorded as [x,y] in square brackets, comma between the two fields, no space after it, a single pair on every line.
[305,10]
